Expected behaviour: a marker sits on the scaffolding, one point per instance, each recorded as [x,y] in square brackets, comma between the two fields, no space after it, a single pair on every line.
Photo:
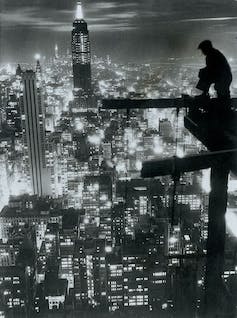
[213,123]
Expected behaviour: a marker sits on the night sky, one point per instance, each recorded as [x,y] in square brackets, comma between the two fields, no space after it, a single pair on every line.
[127,30]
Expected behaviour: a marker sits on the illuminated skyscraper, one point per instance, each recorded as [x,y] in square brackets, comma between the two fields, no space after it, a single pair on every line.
[81,55]
[38,67]
[33,129]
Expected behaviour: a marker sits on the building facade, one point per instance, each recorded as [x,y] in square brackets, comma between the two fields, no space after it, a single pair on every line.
[33,129]
[81,55]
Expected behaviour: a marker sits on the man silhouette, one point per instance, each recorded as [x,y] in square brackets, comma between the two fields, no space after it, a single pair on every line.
[217,72]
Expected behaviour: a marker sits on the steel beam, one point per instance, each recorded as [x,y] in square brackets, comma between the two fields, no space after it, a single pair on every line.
[181,102]
[175,165]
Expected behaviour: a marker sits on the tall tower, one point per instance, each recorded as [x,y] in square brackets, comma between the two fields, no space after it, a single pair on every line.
[38,67]
[33,129]
[38,71]
[81,55]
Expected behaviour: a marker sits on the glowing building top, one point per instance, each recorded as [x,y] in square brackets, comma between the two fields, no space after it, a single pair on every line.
[79,14]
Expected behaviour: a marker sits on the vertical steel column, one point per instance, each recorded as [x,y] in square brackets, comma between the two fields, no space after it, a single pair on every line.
[214,287]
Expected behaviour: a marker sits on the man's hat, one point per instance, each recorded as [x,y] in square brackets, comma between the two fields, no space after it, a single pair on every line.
[206,44]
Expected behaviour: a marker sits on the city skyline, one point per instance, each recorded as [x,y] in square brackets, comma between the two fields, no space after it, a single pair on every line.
[108,207]
[170,29]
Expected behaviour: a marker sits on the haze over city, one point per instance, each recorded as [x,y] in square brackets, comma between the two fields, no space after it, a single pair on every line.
[132,30]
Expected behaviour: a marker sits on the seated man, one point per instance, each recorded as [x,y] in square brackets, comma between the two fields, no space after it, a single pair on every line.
[217,72]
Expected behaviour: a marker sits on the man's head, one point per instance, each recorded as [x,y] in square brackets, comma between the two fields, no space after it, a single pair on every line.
[205,46]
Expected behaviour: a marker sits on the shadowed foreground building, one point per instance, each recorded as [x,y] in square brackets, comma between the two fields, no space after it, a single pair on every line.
[33,129]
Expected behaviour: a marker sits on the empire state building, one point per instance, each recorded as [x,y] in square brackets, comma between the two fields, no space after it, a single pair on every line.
[81,55]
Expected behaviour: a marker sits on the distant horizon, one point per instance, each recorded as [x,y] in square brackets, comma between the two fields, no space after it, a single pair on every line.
[162,60]
[134,30]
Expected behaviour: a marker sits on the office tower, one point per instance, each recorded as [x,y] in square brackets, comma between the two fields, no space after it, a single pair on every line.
[33,129]
[136,277]
[90,278]
[13,113]
[67,238]
[18,70]
[38,67]
[13,299]
[81,55]
[38,71]
[115,282]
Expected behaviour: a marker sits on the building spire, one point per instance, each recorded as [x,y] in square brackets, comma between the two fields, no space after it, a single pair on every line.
[79,14]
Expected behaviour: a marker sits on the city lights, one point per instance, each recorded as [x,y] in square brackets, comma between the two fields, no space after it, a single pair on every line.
[206,180]
[79,125]
[121,167]
[9,69]
[94,139]
[138,165]
[108,249]
[232,185]
[81,231]
[180,153]
[173,240]
[37,56]
[231,221]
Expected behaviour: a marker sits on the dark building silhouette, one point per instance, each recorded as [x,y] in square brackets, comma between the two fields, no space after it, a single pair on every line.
[81,55]
[18,70]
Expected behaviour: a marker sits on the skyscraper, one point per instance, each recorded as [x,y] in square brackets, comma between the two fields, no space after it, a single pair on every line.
[38,71]
[81,55]
[33,129]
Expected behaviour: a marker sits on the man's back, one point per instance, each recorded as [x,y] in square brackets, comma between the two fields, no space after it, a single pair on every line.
[217,71]
[217,65]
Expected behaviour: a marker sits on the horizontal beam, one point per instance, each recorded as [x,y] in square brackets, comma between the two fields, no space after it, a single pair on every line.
[175,165]
[182,102]
[142,103]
